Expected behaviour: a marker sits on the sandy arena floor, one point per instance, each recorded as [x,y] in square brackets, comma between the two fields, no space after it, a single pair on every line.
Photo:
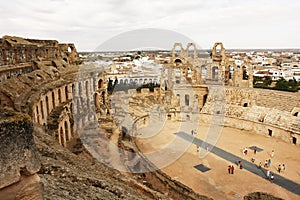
[217,183]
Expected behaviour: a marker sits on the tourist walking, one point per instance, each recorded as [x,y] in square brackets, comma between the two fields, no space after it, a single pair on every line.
[272,177]
[255,149]
[260,164]
[232,169]
[283,167]
[266,164]
[272,153]
[241,164]
[269,163]
[229,169]
[279,168]
[268,174]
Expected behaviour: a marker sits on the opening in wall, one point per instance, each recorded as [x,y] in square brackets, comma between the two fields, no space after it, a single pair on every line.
[296,114]
[270,132]
[245,105]
[294,140]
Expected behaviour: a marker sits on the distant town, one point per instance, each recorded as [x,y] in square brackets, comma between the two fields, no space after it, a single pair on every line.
[272,69]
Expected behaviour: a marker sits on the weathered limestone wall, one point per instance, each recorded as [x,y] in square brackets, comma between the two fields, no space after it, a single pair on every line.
[19,160]
[263,111]
[17,55]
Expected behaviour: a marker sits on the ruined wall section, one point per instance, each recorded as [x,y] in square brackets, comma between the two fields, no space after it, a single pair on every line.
[263,108]
[17,55]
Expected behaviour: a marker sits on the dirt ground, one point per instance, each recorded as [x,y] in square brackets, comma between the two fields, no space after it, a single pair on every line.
[217,183]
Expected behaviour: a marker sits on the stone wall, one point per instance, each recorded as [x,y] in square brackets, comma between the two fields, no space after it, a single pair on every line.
[17,55]
[263,111]
[19,161]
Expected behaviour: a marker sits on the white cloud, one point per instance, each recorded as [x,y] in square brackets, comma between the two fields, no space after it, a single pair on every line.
[88,23]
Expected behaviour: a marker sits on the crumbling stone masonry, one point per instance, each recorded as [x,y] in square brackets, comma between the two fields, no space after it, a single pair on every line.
[19,160]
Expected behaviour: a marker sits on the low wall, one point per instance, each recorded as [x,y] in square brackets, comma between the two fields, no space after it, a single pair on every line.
[258,127]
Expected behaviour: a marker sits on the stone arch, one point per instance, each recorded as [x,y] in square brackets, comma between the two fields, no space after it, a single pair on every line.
[187,100]
[47,105]
[100,83]
[245,73]
[37,114]
[66,92]
[121,81]
[87,88]
[214,73]
[218,55]
[126,81]
[194,53]
[230,70]
[42,109]
[59,96]
[53,99]
[73,89]
[204,99]
[175,46]
[71,108]
[177,60]
[203,72]
[79,89]
[178,98]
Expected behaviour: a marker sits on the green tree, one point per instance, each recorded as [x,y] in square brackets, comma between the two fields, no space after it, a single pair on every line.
[267,80]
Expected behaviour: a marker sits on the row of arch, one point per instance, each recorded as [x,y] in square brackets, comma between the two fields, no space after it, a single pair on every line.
[82,94]
[138,81]
[21,55]
[179,51]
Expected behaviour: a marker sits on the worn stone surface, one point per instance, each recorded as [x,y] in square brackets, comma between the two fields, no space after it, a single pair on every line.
[260,196]
[69,176]
[19,158]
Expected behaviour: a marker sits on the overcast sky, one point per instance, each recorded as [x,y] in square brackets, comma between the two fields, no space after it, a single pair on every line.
[89,23]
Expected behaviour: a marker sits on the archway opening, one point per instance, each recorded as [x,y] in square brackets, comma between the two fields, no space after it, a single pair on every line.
[100,84]
[59,96]
[215,73]
[294,140]
[42,109]
[204,99]
[177,60]
[187,100]
[62,138]
[245,73]
[270,132]
[67,131]
[47,105]
[53,99]
[66,92]
[296,114]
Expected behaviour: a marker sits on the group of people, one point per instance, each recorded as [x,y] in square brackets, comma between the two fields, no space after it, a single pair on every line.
[281,168]
[245,151]
[194,132]
[270,175]
[267,163]
[230,169]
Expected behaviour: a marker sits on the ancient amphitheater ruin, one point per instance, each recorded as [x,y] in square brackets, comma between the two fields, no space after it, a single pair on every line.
[58,121]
